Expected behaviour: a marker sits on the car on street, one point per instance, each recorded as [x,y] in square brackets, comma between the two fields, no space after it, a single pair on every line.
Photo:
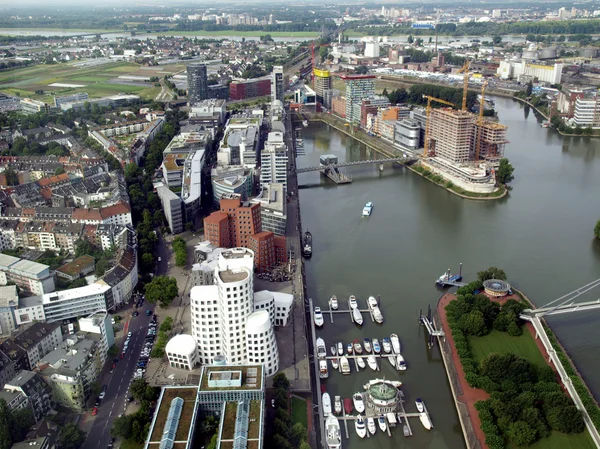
[97,402]
[129,334]
[102,395]
[94,411]
[136,313]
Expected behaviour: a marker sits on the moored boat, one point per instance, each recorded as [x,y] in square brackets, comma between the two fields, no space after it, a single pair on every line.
[387,346]
[372,302]
[405,430]
[344,365]
[391,419]
[392,360]
[371,426]
[333,438]
[368,209]
[357,316]
[360,426]
[348,405]
[323,370]
[395,343]
[382,423]
[352,302]
[337,405]
[340,348]
[326,404]
[349,348]
[335,363]
[400,363]
[376,347]
[333,350]
[372,362]
[333,302]
[420,405]
[359,403]
[367,344]
[425,421]
[357,347]
[321,351]
[377,315]
[318,317]
[307,248]
[361,362]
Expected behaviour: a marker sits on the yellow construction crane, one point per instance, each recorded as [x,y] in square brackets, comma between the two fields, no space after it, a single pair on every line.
[480,120]
[465,70]
[428,113]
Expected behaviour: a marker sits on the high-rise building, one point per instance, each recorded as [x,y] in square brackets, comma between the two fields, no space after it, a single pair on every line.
[277,84]
[451,134]
[197,82]
[322,85]
[274,160]
[358,88]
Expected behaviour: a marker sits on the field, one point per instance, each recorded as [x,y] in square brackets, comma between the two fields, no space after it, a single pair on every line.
[299,411]
[98,81]
[503,343]
[558,440]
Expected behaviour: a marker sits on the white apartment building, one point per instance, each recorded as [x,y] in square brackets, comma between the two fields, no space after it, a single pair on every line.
[261,346]
[30,309]
[182,352]
[587,112]
[279,306]
[99,323]
[274,159]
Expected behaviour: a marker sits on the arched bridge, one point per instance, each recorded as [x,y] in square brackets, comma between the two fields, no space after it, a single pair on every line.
[401,160]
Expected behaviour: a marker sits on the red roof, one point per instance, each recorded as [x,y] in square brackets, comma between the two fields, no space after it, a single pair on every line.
[46,193]
[216,217]
[86,215]
[356,77]
[115,209]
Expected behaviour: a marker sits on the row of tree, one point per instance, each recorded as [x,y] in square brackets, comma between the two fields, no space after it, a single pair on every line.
[417,92]
[180,249]
[135,427]
[285,435]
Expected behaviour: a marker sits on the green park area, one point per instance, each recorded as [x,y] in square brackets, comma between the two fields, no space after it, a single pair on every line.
[97,80]
[502,343]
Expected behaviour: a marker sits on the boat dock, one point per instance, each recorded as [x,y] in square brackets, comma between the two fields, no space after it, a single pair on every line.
[349,311]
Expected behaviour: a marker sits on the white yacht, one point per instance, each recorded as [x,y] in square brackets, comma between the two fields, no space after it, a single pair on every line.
[395,343]
[335,364]
[376,346]
[340,348]
[360,426]
[361,362]
[323,370]
[357,316]
[352,302]
[372,302]
[333,350]
[344,365]
[382,423]
[318,317]
[367,209]
[377,315]
[321,351]
[387,346]
[372,362]
[425,420]
[400,363]
[359,403]
[333,438]
[326,404]
[333,302]
[337,405]
[420,405]
[371,426]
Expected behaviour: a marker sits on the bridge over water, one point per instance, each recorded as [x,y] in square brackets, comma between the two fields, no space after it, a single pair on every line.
[400,160]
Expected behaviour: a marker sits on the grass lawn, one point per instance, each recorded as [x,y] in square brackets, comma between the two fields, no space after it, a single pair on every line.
[558,440]
[131,445]
[503,343]
[299,411]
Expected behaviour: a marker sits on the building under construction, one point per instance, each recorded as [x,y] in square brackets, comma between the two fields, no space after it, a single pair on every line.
[490,138]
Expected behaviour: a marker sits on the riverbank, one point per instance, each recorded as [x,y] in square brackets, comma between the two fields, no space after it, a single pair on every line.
[378,145]
[227,33]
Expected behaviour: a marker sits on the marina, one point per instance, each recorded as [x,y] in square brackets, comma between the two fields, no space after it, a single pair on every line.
[374,311]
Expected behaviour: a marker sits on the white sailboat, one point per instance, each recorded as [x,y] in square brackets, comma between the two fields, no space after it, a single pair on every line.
[318,317]
[340,348]
[360,426]
[359,403]
[321,351]
[371,426]
[333,438]
[357,316]
[372,361]
[326,404]
[361,362]
[395,343]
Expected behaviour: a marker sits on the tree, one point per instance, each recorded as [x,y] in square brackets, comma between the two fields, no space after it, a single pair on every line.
[529,89]
[298,434]
[213,442]
[281,381]
[501,367]
[280,442]
[504,174]
[162,289]
[473,323]
[565,419]
[362,70]
[12,177]
[71,437]
[84,247]
[410,39]
[597,229]
[81,282]
[496,40]
[209,425]
[138,389]
[59,171]
[491,273]
[304,445]
[521,433]
[6,425]
[96,388]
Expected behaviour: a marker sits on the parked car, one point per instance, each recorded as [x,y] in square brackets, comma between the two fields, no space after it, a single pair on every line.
[102,395]
[94,411]
[129,334]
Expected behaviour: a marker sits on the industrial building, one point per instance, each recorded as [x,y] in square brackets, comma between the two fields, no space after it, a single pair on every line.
[524,71]
[32,277]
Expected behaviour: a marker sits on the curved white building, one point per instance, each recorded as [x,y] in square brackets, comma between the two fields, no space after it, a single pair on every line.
[182,352]
[205,322]
[260,342]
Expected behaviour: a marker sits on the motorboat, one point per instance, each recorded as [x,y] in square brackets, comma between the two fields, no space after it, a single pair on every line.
[323,371]
[400,363]
[333,302]
[335,363]
[307,249]
[392,360]
[318,317]
[372,362]
[382,423]
[425,420]
[387,345]
[357,316]
[377,315]
[340,348]
[344,365]
[348,405]
[321,351]
[337,405]
[395,343]
[352,302]
[360,426]
[333,437]
[367,209]
[333,350]
[326,404]
[448,279]
[371,426]
[349,348]
[361,362]
[376,347]
[405,430]
[357,347]
[359,403]
[420,405]
[372,302]
[367,344]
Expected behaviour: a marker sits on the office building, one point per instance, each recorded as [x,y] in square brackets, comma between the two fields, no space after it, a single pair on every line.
[451,134]
[278,304]
[29,346]
[587,111]
[492,138]
[32,277]
[274,160]
[182,352]
[277,84]
[273,208]
[407,134]
[99,323]
[28,390]
[240,142]
[77,302]
[172,207]
[323,86]
[197,82]
[261,346]
[358,88]
[230,180]
[371,106]
[9,302]
[270,249]
[251,88]
[191,186]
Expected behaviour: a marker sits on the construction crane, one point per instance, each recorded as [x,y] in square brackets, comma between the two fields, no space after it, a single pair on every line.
[465,70]
[428,113]
[480,121]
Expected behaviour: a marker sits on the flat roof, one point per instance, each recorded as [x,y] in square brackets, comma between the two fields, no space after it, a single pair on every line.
[255,380]
[188,394]
[74,293]
[76,266]
[233,276]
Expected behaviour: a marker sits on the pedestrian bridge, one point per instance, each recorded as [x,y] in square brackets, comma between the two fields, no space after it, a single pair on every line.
[400,160]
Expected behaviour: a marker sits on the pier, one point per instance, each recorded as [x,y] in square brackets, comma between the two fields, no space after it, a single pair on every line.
[368,310]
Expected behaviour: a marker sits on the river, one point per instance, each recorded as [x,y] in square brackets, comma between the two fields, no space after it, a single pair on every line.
[540,234]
